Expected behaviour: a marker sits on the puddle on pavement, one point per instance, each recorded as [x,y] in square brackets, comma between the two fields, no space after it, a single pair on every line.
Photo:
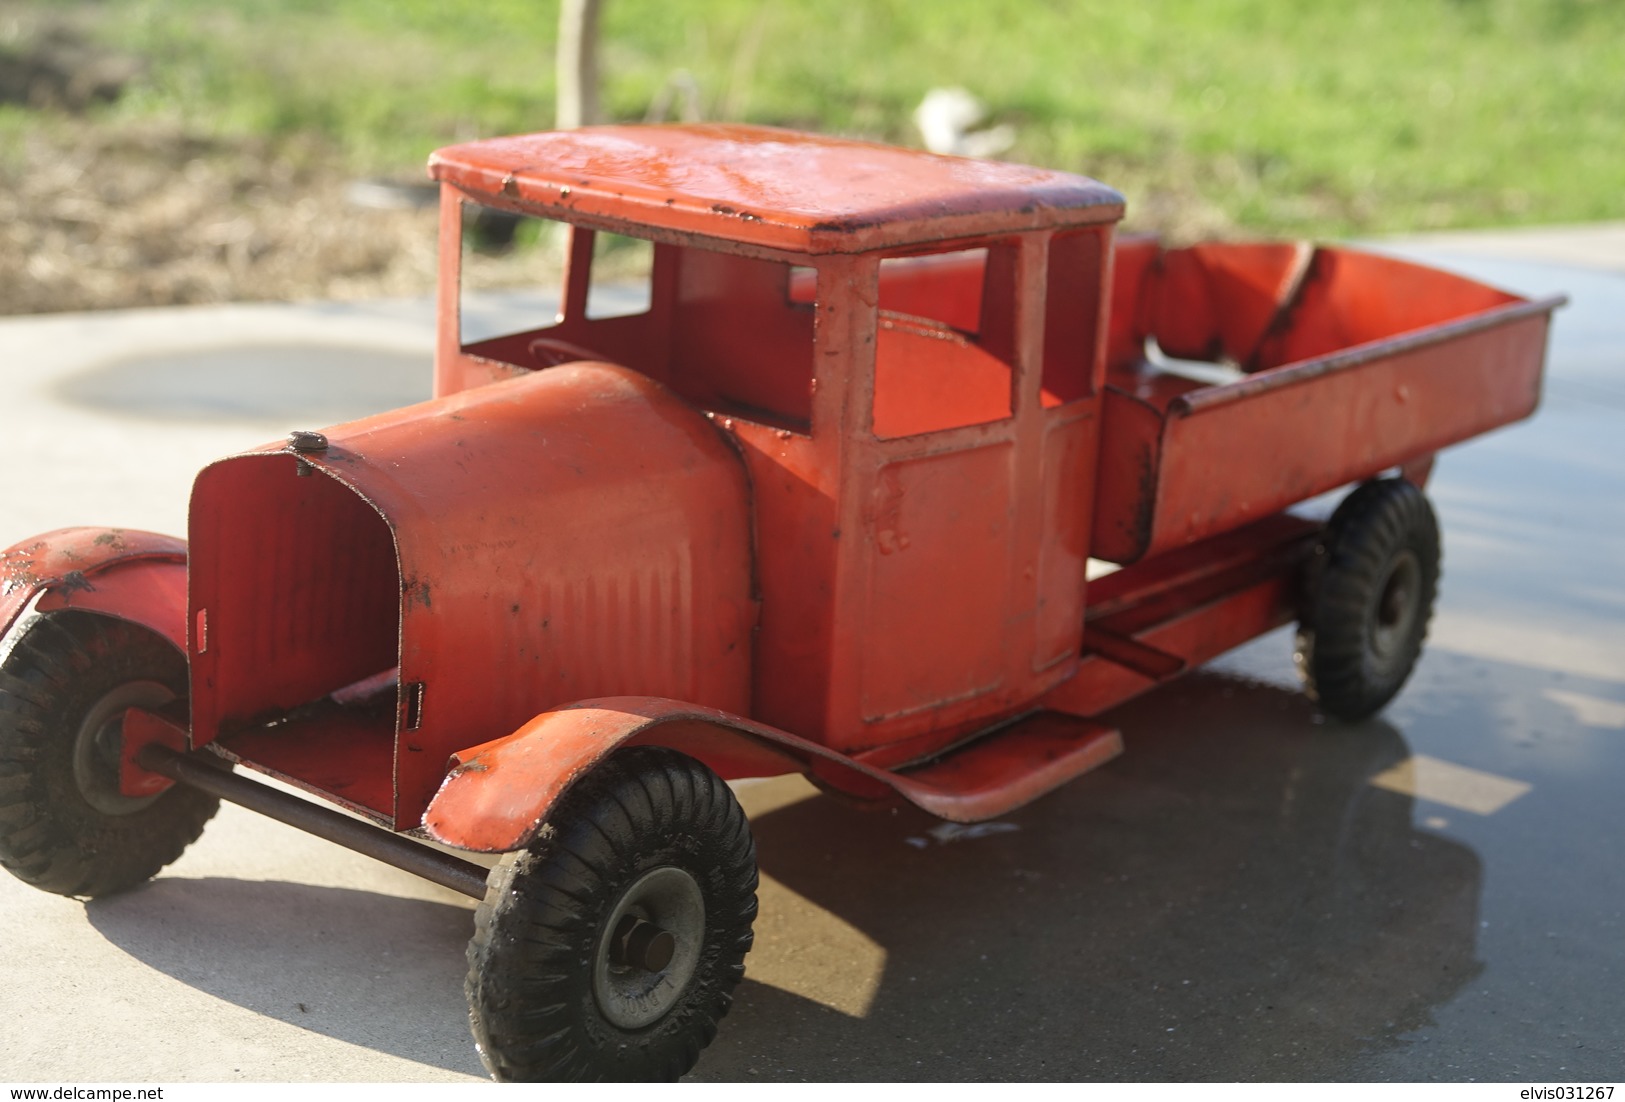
[315,383]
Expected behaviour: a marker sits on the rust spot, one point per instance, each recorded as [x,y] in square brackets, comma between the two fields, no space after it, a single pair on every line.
[417,590]
[478,765]
[852,225]
[1145,509]
[510,186]
[113,539]
[743,215]
[76,582]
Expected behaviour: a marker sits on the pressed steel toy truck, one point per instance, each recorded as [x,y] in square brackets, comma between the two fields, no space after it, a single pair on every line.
[823,502]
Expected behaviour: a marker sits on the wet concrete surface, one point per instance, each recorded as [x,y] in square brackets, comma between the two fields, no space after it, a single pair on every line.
[1249,893]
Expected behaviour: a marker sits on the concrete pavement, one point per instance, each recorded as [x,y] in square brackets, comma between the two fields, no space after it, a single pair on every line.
[1249,893]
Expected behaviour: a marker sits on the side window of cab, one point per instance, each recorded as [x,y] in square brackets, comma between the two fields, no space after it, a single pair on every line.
[942,356]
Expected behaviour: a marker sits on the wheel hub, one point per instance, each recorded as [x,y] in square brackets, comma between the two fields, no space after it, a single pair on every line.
[1397,606]
[99,742]
[650,948]
[641,944]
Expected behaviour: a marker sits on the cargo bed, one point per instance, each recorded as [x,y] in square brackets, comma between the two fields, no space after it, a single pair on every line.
[1341,364]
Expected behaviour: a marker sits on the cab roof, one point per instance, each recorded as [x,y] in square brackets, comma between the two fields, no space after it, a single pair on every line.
[777,189]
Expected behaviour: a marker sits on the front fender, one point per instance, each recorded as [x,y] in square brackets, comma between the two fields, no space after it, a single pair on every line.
[498,794]
[121,572]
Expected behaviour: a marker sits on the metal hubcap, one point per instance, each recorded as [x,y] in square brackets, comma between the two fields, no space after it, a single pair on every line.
[1397,606]
[99,740]
[641,944]
[650,948]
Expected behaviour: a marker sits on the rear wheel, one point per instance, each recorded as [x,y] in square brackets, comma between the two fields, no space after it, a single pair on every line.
[64,825]
[610,948]
[1371,597]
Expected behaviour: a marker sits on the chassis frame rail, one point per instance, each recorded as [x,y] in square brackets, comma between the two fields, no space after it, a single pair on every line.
[444,869]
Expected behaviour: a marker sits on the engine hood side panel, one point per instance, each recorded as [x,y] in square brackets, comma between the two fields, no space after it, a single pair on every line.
[574,533]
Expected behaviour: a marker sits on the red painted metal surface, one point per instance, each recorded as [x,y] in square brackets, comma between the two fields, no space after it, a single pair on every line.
[498,795]
[775,189]
[139,730]
[136,576]
[1355,363]
[1184,608]
[481,558]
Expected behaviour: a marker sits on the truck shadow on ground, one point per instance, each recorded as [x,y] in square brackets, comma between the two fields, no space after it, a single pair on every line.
[368,969]
[1231,900]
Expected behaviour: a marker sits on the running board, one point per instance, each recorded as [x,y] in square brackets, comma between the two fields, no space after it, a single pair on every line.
[1009,768]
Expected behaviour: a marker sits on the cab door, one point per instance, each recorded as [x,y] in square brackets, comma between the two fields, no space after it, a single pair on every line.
[967,491]
[932,498]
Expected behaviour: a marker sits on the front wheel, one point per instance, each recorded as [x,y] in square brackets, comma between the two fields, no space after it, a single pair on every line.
[64,825]
[1366,614]
[610,948]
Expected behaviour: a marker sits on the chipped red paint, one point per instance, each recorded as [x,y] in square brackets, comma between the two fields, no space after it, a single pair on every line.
[122,572]
[569,534]
[776,189]
[496,796]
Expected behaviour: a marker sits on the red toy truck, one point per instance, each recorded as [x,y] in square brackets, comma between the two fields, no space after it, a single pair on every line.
[822,502]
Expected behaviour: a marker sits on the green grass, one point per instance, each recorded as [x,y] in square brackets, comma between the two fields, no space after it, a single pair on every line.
[1380,115]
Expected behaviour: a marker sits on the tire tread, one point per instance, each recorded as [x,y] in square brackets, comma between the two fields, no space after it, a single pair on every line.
[526,945]
[49,837]
[1370,527]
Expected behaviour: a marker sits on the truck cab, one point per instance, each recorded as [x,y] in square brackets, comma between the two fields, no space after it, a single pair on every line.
[907,351]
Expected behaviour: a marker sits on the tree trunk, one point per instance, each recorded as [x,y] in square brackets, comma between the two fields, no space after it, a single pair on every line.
[577,65]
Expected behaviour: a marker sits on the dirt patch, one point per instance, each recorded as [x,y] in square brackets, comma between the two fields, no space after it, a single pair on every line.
[96,216]
[98,212]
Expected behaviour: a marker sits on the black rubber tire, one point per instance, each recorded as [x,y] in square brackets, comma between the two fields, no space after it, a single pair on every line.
[53,835]
[1370,597]
[540,933]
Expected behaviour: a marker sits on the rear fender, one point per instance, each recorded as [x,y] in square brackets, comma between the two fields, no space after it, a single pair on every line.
[119,572]
[499,794]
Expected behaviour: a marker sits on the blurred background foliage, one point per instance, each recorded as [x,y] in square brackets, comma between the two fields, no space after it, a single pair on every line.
[1330,118]
[1213,116]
